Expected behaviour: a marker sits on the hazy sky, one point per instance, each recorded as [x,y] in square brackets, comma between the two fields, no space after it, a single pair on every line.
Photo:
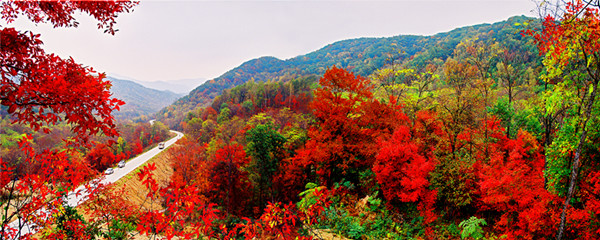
[168,40]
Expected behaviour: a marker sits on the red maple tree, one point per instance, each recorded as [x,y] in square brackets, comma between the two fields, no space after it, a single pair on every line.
[336,145]
[41,90]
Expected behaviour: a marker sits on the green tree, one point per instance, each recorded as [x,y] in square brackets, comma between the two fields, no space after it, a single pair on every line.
[571,48]
[265,146]
[471,228]
[224,115]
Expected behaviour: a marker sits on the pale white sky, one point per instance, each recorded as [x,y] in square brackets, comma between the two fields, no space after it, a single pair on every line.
[168,40]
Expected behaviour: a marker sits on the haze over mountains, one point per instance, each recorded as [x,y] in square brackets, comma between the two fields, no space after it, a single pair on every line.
[179,86]
[139,100]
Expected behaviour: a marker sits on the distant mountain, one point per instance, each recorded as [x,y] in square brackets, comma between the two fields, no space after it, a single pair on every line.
[139,100]
[362,56]
[181,86]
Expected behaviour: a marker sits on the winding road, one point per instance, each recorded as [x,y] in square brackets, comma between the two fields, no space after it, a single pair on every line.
[79,195]
[74,200]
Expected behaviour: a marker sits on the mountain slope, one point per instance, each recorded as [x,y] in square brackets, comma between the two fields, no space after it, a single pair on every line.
[139,100]
[362,56]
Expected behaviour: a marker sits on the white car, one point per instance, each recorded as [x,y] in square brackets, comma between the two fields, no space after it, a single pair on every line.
[121,164]
[109,171]
[161,145]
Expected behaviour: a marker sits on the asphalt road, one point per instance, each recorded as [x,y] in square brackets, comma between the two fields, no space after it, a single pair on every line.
[74,200]
[79,195]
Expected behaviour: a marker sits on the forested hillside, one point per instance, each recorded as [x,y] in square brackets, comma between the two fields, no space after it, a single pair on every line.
[362,56]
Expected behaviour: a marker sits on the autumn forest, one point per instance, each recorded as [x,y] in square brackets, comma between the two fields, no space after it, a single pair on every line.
[484,132]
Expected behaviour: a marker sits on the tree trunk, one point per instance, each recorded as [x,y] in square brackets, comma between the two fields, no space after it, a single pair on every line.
[548,119]
[576,161]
